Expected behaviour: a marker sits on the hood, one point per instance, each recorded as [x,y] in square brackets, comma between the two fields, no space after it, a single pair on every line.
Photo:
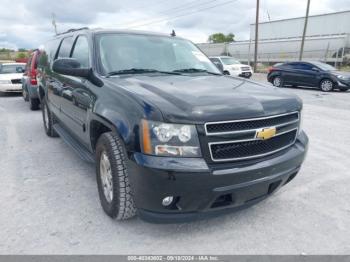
[199,99]
[11,76]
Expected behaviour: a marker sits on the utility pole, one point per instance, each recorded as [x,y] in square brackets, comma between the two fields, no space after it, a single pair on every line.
[256,36]
[54,22]
[304,32]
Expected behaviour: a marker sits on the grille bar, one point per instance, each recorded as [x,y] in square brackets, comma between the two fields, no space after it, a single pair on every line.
[227,146]
[251,148]
[248,125]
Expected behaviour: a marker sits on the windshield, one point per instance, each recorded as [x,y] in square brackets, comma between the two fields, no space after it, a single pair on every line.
[324,66]
[121,52]
[10,69]
[229,61]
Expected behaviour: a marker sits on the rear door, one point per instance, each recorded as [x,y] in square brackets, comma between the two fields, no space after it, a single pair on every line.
[292,75]
[57,82]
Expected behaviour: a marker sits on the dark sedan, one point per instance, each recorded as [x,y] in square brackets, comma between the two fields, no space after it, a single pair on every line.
[312,74]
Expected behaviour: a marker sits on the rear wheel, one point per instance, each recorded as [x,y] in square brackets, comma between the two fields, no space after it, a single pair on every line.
[226,72]
[112,177]
[48,119]
[277,81]
[34,103]
[326,85]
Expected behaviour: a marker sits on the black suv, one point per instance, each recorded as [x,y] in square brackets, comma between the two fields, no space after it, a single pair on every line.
[312,74]
[172,138]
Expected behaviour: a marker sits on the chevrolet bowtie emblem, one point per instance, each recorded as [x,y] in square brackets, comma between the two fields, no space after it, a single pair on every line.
[266,133]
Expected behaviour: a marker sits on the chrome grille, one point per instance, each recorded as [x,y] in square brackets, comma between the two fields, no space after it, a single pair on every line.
[245,68]
[225,143]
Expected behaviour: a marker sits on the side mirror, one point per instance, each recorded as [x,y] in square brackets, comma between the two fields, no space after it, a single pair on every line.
[315,69]
[71,67]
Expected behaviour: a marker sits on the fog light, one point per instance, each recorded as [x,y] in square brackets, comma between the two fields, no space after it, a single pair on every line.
[167,201]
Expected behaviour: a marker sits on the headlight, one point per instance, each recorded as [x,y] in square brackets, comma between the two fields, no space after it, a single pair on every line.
[163,139]
[300,121]
[5,82]
[341,77]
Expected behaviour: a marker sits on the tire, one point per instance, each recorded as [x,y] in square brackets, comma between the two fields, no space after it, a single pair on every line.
[34,103]
[48,119]
[226,73]
[277,81]
[326,85]
[25,94]
[112,177]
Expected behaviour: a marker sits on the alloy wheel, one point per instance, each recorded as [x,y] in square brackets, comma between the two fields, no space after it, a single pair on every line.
[326,85]
[106,177]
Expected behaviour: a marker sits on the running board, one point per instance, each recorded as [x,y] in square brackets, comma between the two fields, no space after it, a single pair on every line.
[75,145]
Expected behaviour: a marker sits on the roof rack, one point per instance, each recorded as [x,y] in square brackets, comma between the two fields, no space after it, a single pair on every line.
[73,30]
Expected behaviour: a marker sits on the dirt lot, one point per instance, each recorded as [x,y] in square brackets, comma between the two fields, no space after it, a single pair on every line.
[49,201]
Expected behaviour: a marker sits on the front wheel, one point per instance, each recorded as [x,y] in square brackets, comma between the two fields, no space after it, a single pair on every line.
[326,85]
[112,177]
[277,81]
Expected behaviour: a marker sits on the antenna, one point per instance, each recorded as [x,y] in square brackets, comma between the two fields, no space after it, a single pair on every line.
[54,22]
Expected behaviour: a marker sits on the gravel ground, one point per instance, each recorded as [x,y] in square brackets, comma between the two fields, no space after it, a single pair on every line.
[49,202]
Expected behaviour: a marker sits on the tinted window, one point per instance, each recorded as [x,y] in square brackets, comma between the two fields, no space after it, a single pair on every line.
[304,66]
[65,47]
[81,51]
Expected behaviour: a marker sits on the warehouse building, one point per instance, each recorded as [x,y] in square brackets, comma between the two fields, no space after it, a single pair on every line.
[327,39]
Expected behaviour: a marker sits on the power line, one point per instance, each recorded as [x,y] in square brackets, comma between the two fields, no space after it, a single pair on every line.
[185,14]
[172,10]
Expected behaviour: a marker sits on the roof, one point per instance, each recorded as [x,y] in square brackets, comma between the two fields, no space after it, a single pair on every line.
[120,31]
[13,63]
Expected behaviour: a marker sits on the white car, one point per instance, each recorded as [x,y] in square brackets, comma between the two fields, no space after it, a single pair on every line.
[231,66]
[11,77]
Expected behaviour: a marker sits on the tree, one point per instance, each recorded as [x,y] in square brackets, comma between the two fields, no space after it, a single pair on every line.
[221,38]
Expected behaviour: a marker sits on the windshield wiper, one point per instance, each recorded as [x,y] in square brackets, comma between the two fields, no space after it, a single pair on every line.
[194,70]
[139,71]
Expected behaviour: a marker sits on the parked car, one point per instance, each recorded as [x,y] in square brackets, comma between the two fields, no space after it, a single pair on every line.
[29,81]
[172,138]
[312,74]
[10,77]
[231,66]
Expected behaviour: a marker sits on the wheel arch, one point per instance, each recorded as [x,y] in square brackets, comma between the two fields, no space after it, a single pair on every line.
[100,124]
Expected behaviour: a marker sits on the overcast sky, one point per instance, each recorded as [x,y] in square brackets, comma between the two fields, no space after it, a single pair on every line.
[27,23]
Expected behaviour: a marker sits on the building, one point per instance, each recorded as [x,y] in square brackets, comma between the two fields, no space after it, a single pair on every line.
[327,39]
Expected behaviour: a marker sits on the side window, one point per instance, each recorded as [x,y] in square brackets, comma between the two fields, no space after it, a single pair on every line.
[305,66]
[65,47]
[81,51]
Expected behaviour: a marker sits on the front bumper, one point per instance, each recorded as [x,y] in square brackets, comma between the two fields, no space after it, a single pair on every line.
[344,84]
[10,87]
[200,190]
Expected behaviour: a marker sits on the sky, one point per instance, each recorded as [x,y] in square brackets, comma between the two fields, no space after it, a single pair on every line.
[28,23]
